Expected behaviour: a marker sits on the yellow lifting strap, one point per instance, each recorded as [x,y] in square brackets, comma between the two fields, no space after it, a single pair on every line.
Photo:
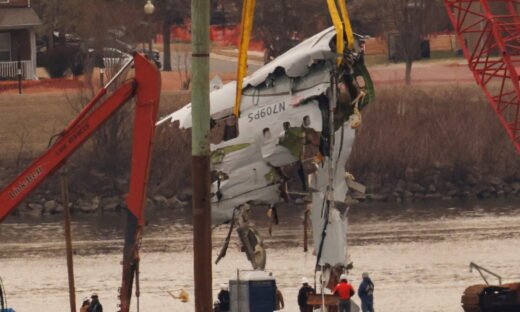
[341,24]
[346,23]
[246,27]
[338,25]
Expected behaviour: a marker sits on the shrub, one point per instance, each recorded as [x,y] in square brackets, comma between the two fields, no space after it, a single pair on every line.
[58,60]
[422,127]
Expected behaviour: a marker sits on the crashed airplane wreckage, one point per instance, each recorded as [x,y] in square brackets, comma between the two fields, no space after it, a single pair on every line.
[299,110]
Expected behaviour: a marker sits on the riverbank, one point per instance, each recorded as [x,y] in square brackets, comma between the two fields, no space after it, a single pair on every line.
[422,143]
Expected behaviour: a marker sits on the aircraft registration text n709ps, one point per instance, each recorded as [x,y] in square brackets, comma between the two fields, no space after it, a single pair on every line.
[266,111]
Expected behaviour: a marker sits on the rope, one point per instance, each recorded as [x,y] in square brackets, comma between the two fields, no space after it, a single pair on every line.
[223,251]
[324,231]
[355,119]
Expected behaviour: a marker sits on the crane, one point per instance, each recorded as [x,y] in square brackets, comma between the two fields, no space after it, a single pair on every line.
[489,35]
[146,87]
[489,32]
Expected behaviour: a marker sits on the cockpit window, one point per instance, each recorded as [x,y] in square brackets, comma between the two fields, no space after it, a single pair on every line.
[224,129]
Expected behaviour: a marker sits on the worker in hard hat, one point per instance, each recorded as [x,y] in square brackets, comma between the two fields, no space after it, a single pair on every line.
[345,291]
[223,298]
[279,300]
[366,293]
[303,295]
[216,306]
[95,305]
[85,305]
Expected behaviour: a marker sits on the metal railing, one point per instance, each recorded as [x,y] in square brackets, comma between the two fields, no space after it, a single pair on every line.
[480,269]
[9,70]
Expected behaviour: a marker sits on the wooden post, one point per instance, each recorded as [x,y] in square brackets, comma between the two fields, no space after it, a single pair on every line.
[68,238]
[305,225]
[200,156]
[19,70]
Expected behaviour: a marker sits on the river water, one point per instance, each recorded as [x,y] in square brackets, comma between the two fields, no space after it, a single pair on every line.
[417,255]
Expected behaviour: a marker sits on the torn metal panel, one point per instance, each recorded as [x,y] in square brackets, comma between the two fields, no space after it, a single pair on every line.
[285,125]
[222,211]
[281,91]
[247,179]
[333,238]
[276,155]
[344,139]
[342,148]
[220,100]
[297,60]
[334,249]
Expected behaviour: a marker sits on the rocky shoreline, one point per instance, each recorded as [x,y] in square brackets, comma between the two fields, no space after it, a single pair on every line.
[436,184]
[439,183]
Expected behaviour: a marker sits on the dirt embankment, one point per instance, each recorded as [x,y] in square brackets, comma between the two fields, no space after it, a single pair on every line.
[28,121]
[99,170]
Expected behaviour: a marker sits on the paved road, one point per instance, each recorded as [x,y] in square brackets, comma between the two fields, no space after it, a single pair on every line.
[218,63]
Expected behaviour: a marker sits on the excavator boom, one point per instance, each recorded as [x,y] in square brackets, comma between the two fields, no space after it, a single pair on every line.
[147,86]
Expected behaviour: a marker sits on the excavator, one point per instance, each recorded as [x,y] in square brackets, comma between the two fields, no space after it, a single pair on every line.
[145,87]
[488,32]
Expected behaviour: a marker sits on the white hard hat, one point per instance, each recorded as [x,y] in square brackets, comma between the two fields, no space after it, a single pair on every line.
[93,295]
[224,286]
[305,280]
[343,277]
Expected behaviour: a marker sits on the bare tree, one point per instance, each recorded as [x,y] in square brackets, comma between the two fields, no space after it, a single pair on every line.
[168,13]
[22,133]
[182,64]
[366,16]
[409,19]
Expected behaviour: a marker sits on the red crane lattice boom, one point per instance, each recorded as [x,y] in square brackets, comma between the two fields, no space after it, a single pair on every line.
[489,34]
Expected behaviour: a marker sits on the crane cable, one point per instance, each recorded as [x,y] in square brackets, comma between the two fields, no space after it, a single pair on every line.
[339,18]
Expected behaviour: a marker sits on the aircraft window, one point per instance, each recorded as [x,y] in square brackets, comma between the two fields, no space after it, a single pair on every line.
[286,125]
[306,121]
[267,133]
[224,129]
[231,128]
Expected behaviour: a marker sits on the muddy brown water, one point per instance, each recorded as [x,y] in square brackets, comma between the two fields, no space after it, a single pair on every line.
[418,255]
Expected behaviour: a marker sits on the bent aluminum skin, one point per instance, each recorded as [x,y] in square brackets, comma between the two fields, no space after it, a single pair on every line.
[285,119]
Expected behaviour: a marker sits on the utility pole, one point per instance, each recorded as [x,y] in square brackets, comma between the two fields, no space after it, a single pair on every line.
[68,237]
[200,156]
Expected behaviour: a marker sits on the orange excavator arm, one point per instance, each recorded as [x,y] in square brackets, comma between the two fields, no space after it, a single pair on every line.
[146,87]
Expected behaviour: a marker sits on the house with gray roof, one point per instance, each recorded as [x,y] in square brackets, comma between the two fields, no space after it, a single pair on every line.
[17,39]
